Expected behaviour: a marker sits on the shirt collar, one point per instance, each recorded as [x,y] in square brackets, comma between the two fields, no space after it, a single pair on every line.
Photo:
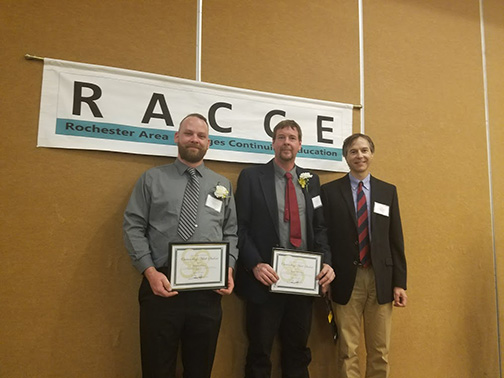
[280,172]
[355,182]
[182,168]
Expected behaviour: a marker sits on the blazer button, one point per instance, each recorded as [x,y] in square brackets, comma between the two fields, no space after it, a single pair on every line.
[356,242]
[356,262]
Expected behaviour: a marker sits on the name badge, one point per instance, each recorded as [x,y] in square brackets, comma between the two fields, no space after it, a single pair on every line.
[380,208]
[317,202]
[214,203]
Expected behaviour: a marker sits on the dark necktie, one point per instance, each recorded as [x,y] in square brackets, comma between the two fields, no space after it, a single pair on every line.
[189,209]
[291,212]
[362,227]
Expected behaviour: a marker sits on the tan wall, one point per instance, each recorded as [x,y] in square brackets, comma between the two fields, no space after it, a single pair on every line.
[67,288]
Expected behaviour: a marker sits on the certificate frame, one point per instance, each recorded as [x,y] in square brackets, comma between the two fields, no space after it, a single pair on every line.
[199,266]
[297,271]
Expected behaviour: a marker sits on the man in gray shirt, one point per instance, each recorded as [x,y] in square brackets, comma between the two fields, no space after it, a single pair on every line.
[152,220]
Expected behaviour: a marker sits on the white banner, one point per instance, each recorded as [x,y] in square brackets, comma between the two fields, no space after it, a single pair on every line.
[93,107]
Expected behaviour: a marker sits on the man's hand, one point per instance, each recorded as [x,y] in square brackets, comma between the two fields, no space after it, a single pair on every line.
[159,283]
[265,274]
[229,289]
[400,297]
[325,277]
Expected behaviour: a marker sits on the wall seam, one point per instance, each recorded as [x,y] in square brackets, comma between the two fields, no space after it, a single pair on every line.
[490,181]
[199,22]
[361,65]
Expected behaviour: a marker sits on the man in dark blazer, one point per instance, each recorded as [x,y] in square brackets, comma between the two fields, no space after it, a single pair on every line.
[365,235]
[261,202]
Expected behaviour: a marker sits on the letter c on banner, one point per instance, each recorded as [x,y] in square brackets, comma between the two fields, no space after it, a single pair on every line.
[267,120]
[211,116]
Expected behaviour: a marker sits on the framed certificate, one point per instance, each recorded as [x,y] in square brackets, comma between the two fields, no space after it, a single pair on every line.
[199,266]
[297,271]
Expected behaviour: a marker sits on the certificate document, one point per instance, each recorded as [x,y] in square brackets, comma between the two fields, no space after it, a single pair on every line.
[199,266]
[297,271]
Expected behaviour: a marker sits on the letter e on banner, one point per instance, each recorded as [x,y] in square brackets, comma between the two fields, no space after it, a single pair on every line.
[321,129]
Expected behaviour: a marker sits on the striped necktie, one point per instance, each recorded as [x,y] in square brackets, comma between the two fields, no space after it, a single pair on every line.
[189,209]
[362,227]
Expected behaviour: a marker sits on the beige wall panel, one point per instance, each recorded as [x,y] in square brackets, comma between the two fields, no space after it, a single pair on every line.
[67,287]
[494,32]
[293,47]
[299,48]
[425,110]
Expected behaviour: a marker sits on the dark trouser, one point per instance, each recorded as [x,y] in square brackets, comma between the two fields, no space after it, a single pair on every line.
[191,319]
[288,315]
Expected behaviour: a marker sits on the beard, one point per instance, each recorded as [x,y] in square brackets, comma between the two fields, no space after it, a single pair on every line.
[286,155]
[190,154]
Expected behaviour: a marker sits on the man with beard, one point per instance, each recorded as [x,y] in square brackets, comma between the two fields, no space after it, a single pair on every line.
[152,220]
[278,205]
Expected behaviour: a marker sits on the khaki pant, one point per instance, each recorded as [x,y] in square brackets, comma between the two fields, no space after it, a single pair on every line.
[377,326]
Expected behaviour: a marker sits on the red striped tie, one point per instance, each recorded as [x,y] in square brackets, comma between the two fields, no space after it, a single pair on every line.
[291,212]
[362,227]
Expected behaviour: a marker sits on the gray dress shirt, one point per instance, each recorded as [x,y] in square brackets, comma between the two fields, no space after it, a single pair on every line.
[152,215]
[284,227]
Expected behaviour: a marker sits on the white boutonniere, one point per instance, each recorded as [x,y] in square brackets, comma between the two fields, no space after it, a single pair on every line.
[304,179]
[221,192]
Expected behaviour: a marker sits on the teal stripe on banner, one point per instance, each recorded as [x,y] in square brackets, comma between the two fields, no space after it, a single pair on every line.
[113,131]
[261,147]
[157,136]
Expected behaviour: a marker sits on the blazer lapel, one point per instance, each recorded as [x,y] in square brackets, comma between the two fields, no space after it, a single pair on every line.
[267,182]
[309,211]
[346,190]
[307,197]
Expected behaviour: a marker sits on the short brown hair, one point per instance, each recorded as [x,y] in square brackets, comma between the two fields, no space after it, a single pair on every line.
[197,115]
[349,141]
[288,123]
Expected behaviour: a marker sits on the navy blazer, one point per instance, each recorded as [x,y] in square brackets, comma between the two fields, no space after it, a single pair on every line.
[258,229]
[387,245]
